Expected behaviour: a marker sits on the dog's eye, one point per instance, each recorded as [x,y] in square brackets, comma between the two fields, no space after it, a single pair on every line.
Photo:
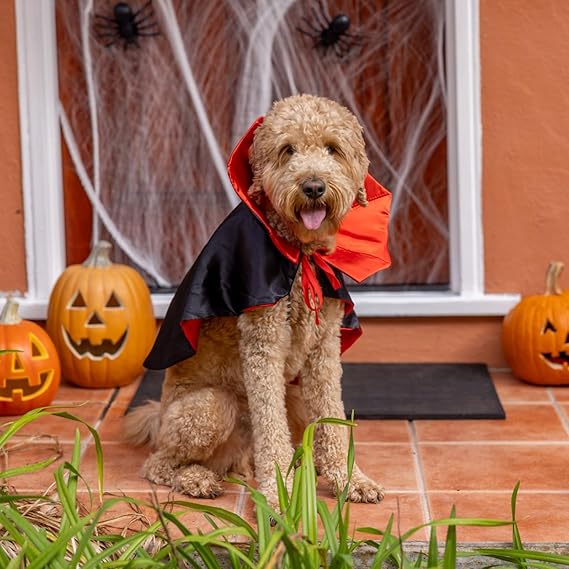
[287,150]
[331,149]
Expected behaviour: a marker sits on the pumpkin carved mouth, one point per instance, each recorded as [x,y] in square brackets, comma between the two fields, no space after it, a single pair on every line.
[556,362]
[21,386]
[85,349]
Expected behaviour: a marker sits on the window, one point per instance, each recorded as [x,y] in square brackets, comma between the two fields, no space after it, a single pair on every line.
[459,275]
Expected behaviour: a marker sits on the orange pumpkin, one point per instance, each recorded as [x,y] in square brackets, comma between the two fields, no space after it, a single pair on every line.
[30,376]
[100,318]
[535,334]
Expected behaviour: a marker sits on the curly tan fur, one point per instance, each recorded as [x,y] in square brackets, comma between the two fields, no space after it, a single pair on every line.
[241,403]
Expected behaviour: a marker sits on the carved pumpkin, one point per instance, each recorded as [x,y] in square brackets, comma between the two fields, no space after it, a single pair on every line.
[535,334]
[30,376]
[100,318]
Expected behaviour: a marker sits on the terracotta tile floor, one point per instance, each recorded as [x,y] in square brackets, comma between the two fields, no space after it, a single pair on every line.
[426,466]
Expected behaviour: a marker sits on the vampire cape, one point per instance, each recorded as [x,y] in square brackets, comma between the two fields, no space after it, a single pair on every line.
[246,265]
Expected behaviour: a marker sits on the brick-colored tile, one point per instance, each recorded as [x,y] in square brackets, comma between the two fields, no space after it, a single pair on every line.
[511,389]
[561,394]
[406,510]
[69,393]
[374,431]
[111,428]
[391,465]
[23,452]
[60,427]
[542,517]
[524,422]
[495,466]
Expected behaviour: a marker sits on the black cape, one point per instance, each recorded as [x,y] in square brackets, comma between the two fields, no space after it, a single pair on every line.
[240,268]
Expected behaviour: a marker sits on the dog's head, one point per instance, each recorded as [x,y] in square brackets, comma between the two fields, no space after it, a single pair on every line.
[308,158]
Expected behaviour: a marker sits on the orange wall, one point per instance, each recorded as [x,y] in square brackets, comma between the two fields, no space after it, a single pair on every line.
[12,255]
[525,115]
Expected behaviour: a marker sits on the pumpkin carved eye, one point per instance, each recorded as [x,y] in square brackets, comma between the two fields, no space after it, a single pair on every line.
[113,301]
[39,351]
[78,301]
[549,327]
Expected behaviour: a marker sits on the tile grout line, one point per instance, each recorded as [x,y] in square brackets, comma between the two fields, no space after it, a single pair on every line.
[523,402]
[560,412]
[85,445]
[495,442]
[240,504]
[420,478]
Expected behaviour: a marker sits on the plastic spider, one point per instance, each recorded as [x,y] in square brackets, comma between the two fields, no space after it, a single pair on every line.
[331,34]
[125,25]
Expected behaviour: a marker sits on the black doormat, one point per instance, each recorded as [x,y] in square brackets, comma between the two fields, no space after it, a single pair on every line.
[398,391]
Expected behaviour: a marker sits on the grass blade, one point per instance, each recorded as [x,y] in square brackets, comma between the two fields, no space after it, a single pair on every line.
[284,499]
[29,468]
[382,553]
[308,485]
[515,555]
[18,561]
[330,539]
[269,551]
[516,537]
[433,555]
[449,556]
[36,538]
[218,513]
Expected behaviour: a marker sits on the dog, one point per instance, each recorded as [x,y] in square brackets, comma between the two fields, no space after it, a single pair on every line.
[242,401]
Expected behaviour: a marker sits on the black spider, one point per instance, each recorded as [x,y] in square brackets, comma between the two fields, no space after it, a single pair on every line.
[125,25]
[331,34]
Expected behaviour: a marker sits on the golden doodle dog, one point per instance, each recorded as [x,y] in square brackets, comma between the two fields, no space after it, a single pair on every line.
[240,403]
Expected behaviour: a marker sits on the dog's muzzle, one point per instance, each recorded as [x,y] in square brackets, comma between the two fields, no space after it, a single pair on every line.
[312,216]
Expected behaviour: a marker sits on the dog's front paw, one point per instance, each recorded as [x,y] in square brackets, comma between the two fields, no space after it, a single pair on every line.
[363,489]
[198,482]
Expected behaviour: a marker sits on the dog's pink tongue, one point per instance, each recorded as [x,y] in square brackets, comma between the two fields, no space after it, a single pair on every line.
[313,218]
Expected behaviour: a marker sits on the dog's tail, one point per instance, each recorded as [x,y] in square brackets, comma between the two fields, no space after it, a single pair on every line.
[141,425]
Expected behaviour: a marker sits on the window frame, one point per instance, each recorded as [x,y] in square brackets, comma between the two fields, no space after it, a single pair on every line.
[43,191]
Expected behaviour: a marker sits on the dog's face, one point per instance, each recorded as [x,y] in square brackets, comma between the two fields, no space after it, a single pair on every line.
[308,157]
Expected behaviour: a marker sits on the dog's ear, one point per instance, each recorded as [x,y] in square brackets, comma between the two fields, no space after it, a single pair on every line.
[361,197]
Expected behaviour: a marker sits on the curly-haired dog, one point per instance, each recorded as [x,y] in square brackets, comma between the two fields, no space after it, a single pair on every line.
[259,378]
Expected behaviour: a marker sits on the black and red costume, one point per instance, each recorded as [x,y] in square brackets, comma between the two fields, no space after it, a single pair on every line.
[246,265]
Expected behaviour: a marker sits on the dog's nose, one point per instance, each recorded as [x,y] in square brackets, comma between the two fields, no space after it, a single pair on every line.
[313,188]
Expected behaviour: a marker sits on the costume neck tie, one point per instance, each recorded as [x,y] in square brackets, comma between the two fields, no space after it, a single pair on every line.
[311,289]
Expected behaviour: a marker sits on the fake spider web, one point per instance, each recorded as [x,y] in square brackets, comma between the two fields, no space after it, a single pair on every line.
[150,129]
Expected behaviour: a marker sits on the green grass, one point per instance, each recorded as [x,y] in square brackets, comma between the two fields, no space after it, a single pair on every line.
[305,533]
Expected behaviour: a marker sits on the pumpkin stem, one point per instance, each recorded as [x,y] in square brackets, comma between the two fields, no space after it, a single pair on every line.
[552,275]
[99,256]
[9,314]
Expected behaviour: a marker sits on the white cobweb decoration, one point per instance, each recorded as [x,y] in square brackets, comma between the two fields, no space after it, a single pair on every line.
[150,129]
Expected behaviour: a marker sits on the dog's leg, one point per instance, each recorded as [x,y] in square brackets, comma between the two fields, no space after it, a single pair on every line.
[321,388]
[264,343]
[191,429]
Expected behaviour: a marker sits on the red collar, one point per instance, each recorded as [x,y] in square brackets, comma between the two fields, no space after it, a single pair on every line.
[361,243]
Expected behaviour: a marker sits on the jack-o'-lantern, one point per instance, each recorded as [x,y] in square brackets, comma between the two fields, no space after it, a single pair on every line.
[30,370]
[100,318]
[535,334]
